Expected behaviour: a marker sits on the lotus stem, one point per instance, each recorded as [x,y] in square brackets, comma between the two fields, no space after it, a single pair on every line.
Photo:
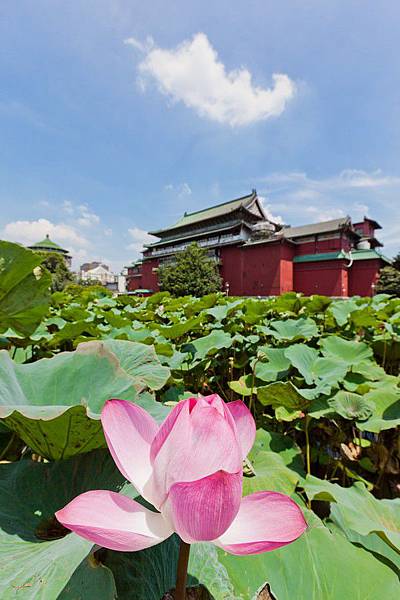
[308,457]
[181,573]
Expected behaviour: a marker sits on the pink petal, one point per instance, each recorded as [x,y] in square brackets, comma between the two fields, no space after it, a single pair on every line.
[245,424]
[129,431]
[215,401]
[113,521]
[200,443]
[265,521]
[202,510]
[165,427]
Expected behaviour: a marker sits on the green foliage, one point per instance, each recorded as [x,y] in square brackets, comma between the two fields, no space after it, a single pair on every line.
[38,559]
[321,378]
[24,290]
[87,290]
[192,273]
[54,405]
[389,281]
[55,263]
[396,261]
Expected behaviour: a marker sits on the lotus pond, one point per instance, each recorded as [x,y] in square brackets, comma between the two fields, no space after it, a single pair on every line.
[320,376]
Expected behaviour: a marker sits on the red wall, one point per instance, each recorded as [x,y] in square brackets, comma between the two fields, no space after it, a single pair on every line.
[268,269]
[258,270]
[232,269]
[133,283]
[326,277]
[149,278]
[366,226]
[321,246]
[364,273]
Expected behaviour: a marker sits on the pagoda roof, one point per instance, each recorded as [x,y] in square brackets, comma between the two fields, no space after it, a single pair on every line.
[216,228]
[374,223]
[48,244]
[248,202]
[315,228]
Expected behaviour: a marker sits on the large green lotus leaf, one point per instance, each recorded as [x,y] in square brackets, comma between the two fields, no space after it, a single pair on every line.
[243,386]
[342,309]
[24,289]
[210,344]
[314,368]
[38,564]
[320,565]
[221,311]
[369,370]
[357,509]
[303,357]
[347,351]
[315,304]
[292,329]
[254,311]
[278,443]
[203,303]
[386,413]
[352,406]
[269,470]
[281,394]
[291,302]
[277,365]
[179,329]
[363,318]
[54,404]
[371,542]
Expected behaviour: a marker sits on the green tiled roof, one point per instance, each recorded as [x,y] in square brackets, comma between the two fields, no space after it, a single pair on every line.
[210,213]
[47,243]
[355,255]
[212,229]
[315,228]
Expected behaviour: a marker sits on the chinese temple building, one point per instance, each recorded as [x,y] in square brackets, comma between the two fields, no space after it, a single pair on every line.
[258,257]
[47,245]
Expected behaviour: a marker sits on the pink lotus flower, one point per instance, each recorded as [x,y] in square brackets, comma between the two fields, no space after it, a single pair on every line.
[190,469]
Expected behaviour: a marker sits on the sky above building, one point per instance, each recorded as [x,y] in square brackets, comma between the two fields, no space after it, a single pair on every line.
[116,116]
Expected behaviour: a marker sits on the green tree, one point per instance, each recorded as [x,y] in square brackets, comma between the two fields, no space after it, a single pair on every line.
[60,274]
[396,261]
[193,272]
[389,281]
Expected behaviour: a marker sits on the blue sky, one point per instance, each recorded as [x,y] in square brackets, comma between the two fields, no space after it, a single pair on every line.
[117,116]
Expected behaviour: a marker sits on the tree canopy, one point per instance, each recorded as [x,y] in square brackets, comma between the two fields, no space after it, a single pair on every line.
[389,281]
[60,274]
[193,272]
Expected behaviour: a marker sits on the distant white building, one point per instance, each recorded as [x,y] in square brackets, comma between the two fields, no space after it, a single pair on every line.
[96,271]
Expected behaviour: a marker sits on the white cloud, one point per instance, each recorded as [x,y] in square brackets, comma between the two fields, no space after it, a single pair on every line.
[78,254]
[87,218]
[318,213]
[139,237]
[29,232]
[80,214]
[346,179]
[302,198]
[355,178]
[181,189]
[268,211]
[390,237]
[141,46]
[193,74]
[68,207]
